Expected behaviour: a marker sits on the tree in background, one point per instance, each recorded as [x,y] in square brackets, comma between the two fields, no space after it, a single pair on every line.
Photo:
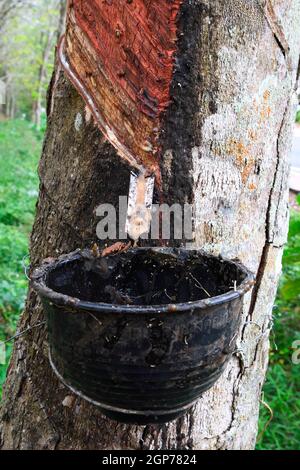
[8,7]
[27,54]
[226,150]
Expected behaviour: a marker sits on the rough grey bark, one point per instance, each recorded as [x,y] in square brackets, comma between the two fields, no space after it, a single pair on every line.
[225,147]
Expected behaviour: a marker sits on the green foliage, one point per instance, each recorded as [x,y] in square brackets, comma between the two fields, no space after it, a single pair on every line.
[27,51]
[290,287]
[282,387]
[20,147]
[298,116]
[282,395]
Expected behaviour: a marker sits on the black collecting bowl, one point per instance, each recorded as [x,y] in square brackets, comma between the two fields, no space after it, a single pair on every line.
[144,333]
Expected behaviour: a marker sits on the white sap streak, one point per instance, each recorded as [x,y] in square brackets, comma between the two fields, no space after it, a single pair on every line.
[139,205]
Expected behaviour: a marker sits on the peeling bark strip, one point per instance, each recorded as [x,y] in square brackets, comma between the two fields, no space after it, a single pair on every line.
[121,60]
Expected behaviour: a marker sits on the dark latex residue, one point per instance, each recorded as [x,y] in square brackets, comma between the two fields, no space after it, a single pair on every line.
[145,278]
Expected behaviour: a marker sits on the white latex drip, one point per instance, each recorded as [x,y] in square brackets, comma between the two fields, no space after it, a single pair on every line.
[140,202]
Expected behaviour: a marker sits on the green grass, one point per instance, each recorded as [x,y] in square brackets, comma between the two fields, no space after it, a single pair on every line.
[282,387]
[20,147]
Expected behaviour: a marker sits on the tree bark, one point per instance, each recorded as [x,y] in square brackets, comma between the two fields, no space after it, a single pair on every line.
[62,18]
[225,149]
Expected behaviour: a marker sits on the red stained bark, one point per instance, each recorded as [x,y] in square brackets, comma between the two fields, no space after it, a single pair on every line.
[135,41]
[122,52]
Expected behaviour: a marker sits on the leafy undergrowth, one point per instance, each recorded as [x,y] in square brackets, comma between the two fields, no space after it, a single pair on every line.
[20,147]
[282,387]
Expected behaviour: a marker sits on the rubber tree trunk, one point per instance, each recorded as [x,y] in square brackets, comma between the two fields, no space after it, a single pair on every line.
[62,18]
[225,148]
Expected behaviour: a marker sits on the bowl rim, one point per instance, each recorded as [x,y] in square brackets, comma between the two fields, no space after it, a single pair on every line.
[38,283]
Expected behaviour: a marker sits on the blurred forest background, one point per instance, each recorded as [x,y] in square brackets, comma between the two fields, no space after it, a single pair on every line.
[29,31]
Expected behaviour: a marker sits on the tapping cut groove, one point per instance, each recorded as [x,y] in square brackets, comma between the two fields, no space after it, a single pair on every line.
[120,57]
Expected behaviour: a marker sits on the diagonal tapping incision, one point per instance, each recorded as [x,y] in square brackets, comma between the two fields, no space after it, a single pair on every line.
[120,56]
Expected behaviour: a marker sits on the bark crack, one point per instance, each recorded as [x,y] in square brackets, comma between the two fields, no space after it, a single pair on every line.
[260,273]
[276,28]
[269,237]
